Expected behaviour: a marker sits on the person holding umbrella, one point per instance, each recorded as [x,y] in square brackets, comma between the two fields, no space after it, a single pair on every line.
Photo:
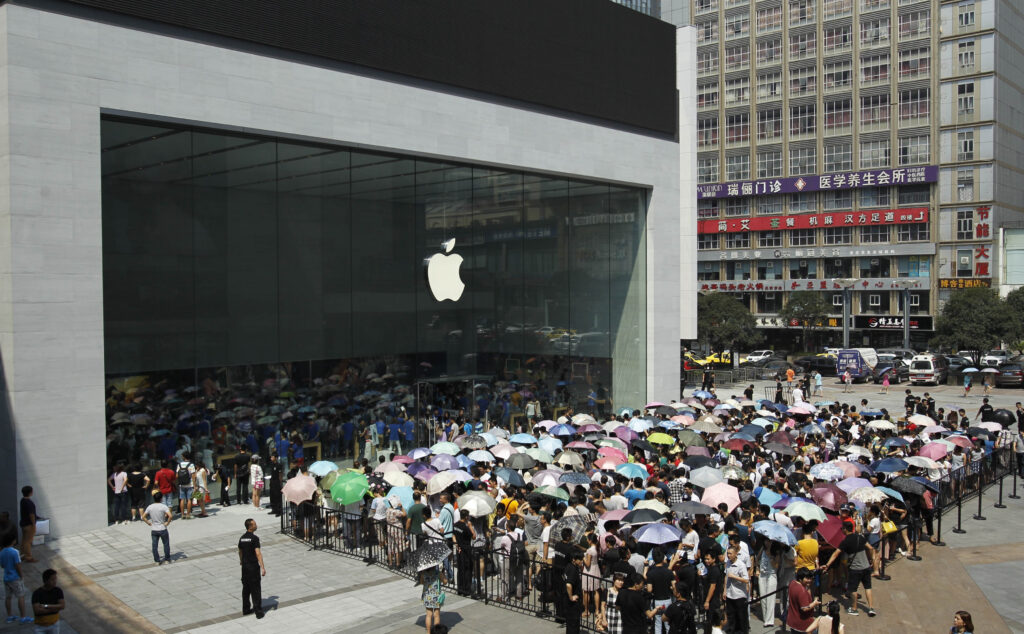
[430,575]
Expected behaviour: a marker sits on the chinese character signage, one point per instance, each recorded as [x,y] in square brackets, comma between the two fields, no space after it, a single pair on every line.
[822,182]
[885,322]
[814,221]
[965,282]
[829,284]
[981,260]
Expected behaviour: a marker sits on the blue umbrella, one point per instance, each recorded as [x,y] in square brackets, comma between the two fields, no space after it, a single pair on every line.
[322,467]
[632,470]
[637,424]
[523,439]
[404,494]
[703,394]
[775,532]
[481,456]
[558,430]
[490,438]
[763,422]
[752,429]
[969,370]
[870,413]
[574,478]
[510,476]
[658,533]
[824,403]
[742,435]
[464,461]
[767,496]
[890,465]
[927,483]
[895,442]
[891,493]
[550,445]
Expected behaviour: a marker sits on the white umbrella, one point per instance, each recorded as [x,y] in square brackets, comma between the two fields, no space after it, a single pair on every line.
[398,479]
[921,419]
[477,503]
[990,371]
[706,476]
[921,461]
[882,424]
[441,481]
[857,450]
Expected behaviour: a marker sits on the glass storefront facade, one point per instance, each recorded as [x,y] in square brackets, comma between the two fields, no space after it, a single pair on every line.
[234,259]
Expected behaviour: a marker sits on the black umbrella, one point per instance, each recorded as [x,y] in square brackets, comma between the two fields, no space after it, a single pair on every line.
[642,516]
[520,461]
[667,410]
[643,444]
[779,448]
[510,476]
[577,523]
[980,432]
[696,462]
[906,485]
[475,442]
[692,508]
[433,553]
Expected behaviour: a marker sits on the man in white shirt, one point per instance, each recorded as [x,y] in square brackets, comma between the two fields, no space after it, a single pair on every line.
[158,516]
[737,590]
[616,501]
[798,395]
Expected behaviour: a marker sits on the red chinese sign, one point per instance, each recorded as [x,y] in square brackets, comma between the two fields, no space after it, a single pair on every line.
[815,221]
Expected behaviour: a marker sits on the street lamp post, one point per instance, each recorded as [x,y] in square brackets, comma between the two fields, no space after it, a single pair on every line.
[847,286]
[905,286]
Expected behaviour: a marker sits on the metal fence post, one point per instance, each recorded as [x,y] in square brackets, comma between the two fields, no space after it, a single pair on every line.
[959,511]
[1015,467]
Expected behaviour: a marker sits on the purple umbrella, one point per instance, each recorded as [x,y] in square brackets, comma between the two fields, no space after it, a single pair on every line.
[625,434]
[698,451]
[784,502]
[418,453]
[444,462]
[417,468]
[425,474]
[851,484]
[658,534]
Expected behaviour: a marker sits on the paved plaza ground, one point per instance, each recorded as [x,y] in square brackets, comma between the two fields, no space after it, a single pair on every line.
[112,584]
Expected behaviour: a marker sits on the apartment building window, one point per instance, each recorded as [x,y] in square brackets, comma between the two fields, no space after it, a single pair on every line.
[874,234]
[874,68]
[737,270]
[965,224]
[965,184]
[703,6]
[838,268]
[874,31]
[803,203]
[964,263]
[737,128]
[737,26]
[915,103]
[737,167]
[874,267]
[965,145]
[802,80]
[875,196]
[769,269]
[913,266]
[737,207]
[707,132]
[769,85]
[915,62]
[871,5]
[770,303]
[839,235]
[737,91]
[839,199]
[915,195]
[707,95]
[707,31]
[707,61]
[874,112]
[801,12]
[915,24]
[837,38]
[965,55]
[801,119]
[707,242]
[874,154]
[769,206]
[802,45]
[769,51]
[803,269]
[838,157]
[965,98]
[707,170]
[769,20]
[769,165]
[740,240]
[737,57]
[803,238]
[965,15]
[914,150]
[801,161]
[836,8]
[708,271]
[838,75]
[917,232]
[769,124]
[769,238]
[838,114]
[707,208]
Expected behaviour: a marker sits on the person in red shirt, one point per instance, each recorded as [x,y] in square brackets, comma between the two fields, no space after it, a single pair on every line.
[801,605]
[166,480]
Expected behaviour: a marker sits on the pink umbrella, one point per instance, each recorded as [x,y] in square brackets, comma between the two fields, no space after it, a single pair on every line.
[589,428]
[653,404]
[963,441]
[299,488]
[721,492]
[608,463]
[615,515]
[849,469]
[548,477]
[403,460]
[934,429]
[934,450]
[698,451]
[546,424]
[711,403]
[388,467]
[991,426]
[580,444]
[682,419]
[722,437]
[612,452]
[800,409]
[624,433]
[425,474]
[503,450]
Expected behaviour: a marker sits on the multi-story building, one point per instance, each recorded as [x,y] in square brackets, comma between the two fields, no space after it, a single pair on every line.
[849,147]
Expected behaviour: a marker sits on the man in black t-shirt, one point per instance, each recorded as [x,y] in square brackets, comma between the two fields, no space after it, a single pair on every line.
[659,585]
[632,606]
[250,558]
[464,535]
[681,616]
[860,554]
[572,583]
[985,411]
[713,585]
[47,602]
[225,472]
[559,561]
[241,475]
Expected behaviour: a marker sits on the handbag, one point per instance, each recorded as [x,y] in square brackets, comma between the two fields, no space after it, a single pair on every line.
[888,527]
[441,598]
[43,527]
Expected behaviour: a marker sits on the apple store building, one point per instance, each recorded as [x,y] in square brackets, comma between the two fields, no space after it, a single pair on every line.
[228,212]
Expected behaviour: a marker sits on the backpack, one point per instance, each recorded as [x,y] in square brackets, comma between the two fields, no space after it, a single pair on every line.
[184,477]
[517,556]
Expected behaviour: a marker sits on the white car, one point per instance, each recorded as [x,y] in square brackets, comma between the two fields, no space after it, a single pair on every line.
[760,355]
[995,357]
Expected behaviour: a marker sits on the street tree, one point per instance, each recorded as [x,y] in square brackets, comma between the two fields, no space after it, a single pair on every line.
[973,319]
[725,323]
[809,310]
[1015,302]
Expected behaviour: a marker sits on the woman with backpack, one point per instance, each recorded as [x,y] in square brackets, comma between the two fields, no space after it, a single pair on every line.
[515,559]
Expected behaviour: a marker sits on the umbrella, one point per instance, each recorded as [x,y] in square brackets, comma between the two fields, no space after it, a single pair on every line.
[779,448]
[658,533]
[608,463]
[991,426]
[581,444]
[388,467]
[805,510]
[928,484]
[398,479]
[852,484]
[299,489]
[737,444]
[640,443]
[665,410]
[510,476]
[431,554]
[522,439]
[868,495]
[661,439]
[503,450]
[768,497]
[640,425]
[921,419]
[849,469]
[654,505]
[707,424]
[449,448]
[569,458]
[690,438]
[654,405]
[419,452]
[893,493]
[406,460]
[562,430]
[443,462]
[732,472]
[614,516]
[775,532]
[968,370]
[441,481]
[963,441]
[322,467]
[547,477]
[831,530]
[540,455]
[349,487]
[882,424]
[827,471]
[705,477]
[555,492]
[890,465]
[812,429]
[721,493]
[907,486]
[403,495]
[625,434]
[692,508]
[642,516]
[696,462]
[475,442]
[934,450]
[895,442]
[328,480]
[589,428]
[520,461]
[829,496]
[481,455]
[550,444]
[477,503]
[857,450]
[989,371]
[632,470]
[781,437]
[576,523]
[922,462]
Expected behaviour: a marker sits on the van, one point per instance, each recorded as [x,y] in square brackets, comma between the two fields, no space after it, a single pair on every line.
[928,368]
[859,362]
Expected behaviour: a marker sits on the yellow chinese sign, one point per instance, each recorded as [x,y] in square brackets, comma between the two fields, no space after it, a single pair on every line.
[965,282]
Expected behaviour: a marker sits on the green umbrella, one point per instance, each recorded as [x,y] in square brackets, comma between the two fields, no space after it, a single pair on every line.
[555,492]
[690,438]
[349,487]
[328,480]
[660,438]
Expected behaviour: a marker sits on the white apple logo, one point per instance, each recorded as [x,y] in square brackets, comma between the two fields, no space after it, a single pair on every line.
[443,274]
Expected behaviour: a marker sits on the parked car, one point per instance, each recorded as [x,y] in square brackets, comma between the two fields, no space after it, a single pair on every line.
[1010,375]
[824,364]
[994,358]
[957,364]
[718,358]
[903,354]
[758,355]
[892,366]
[771,367]
[928,368]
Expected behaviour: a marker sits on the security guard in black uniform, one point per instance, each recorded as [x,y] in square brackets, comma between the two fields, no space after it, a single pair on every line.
[274,471]
[251,559]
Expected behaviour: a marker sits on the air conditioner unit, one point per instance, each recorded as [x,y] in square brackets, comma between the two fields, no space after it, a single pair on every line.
[838,262]
[965,259]
[803,263]
[874,261]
